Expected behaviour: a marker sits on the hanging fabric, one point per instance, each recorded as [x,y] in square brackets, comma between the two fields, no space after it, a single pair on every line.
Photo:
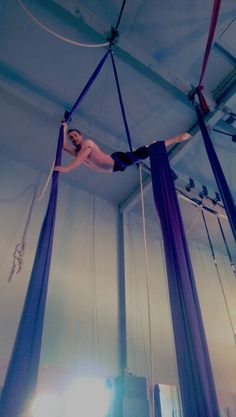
[200,87]
[86,88]
[21,379]
[223,187]
[121,102]
[227,247]
[194,369]
[218,275]
[22,373]
[121,281]
[157,400]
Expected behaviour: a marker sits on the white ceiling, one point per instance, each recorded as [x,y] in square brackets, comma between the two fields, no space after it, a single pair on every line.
[158,54]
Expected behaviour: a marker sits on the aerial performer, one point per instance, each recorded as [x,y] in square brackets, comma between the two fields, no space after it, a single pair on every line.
[86,152]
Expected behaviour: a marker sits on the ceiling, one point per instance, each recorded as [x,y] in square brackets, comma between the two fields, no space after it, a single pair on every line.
[158,54]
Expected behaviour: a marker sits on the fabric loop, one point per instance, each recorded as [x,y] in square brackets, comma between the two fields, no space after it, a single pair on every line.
[196,381]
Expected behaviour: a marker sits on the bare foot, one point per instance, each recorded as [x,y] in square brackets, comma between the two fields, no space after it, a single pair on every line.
[176,139]
[183,136]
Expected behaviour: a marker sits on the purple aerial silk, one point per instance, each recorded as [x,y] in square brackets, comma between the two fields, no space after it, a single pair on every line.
[214,19]
[157,401]
[223,187]
[122,107]
[22,374]
[194,369]
[87,86]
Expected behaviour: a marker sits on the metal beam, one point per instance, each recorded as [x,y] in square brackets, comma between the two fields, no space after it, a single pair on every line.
[27,90]
[129,53]
[226,99]
[225,96]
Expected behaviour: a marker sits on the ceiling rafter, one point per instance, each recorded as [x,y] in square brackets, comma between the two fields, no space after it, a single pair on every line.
[226,100]
[131,54]
[27,90]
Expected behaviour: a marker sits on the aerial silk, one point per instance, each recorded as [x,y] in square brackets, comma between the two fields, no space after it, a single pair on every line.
[223,187]
[194,369]
[22,374]
[121,281]
[157,401]
[122,107]
[200,87]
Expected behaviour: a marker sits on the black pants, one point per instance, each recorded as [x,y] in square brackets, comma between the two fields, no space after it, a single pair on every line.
[122,160]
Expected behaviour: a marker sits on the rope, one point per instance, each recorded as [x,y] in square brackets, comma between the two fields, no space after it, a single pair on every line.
[148,294]
[138,308]
[20,247]
[47,182]
[12,237]
[57,35]
[226,246]
[219,277]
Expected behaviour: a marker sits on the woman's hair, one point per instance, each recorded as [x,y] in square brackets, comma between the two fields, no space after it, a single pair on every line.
[73,130]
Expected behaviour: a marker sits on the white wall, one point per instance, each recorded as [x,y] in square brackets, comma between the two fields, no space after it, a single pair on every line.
[218,304]
[80,331]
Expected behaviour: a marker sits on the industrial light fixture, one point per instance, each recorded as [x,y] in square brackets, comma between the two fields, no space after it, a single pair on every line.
[204,192]
[190,185]
[216,199]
